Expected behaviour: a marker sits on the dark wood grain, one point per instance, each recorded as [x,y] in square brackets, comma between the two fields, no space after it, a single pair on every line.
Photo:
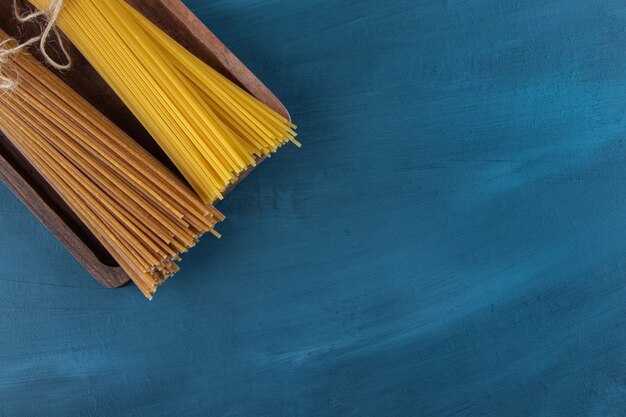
[179,22]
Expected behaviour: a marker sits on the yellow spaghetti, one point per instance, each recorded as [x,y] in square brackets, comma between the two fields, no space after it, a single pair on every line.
[143,215]
[209,127]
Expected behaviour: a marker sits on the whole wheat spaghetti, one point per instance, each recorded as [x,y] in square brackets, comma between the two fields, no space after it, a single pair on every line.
[208,126]
[143,215]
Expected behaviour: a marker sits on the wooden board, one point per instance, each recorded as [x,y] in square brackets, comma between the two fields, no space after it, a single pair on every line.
[177,20]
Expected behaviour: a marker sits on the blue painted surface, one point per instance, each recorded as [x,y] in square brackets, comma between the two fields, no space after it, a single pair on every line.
[449,241]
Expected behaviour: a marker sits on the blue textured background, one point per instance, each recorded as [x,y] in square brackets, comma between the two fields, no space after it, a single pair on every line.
[449,241]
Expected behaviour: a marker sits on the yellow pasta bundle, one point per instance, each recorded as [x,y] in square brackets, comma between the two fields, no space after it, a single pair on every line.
[143,215]
[209,127]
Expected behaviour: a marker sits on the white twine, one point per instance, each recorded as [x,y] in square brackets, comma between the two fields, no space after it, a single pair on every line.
[7,83]
[52,15]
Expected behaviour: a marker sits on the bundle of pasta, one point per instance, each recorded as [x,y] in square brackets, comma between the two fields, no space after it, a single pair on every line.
[143,215]
[209,127]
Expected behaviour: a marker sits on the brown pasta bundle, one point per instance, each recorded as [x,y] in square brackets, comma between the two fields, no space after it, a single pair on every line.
[141,213]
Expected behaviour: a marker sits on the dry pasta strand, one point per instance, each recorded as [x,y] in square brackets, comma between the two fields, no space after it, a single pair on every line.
[140,212]
[208,126]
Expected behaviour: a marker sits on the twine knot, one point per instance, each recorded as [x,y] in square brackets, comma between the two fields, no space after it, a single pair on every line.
[51,14]
[6,82]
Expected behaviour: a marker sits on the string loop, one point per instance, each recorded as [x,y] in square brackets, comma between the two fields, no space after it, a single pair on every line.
[51,15]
